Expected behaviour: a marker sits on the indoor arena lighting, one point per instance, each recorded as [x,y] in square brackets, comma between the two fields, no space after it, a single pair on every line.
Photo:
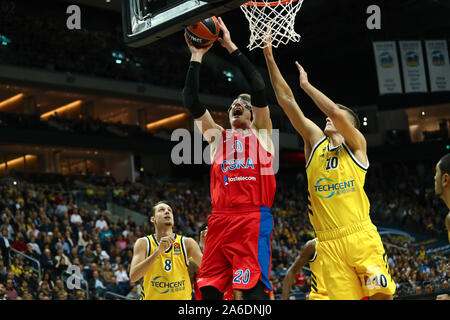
[12,100]
[17,161]
[62,109]
[165,121]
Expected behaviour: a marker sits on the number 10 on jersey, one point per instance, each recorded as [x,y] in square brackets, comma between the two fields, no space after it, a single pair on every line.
[332,163]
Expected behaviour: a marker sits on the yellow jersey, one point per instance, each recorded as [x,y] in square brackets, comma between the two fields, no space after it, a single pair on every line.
[318,290]
[168,277]
[336,196]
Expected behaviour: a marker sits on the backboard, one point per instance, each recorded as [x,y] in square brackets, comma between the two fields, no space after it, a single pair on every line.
[145,21]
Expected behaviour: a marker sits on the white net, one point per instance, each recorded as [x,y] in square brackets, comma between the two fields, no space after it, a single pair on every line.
[279,15]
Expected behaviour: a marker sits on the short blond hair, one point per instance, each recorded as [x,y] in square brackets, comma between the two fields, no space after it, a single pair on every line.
[246,97]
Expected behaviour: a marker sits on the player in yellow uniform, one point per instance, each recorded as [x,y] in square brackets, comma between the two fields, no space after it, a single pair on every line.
[442,189]
[163,258]
[350,248]
[308,254]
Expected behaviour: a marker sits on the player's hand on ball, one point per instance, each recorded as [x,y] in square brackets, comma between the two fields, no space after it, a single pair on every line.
[225,40]
[195,50]
[303,75]
[443,297]
[165,243]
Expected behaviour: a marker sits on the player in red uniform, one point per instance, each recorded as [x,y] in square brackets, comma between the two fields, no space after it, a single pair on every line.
[237,249]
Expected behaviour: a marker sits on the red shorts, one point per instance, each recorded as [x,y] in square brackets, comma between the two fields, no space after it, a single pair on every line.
[237,249]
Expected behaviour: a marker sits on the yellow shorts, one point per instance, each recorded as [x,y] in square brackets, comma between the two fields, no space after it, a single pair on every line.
[354,263]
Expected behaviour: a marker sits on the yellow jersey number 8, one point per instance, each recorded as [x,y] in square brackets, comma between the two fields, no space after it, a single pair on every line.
[167,265]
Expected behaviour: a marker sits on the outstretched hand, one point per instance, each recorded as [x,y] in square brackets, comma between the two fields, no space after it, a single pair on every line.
[303,75]
[197,53]
[225,40]
[268,42]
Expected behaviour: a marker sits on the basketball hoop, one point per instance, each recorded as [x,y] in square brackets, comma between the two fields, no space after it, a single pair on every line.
[279,15]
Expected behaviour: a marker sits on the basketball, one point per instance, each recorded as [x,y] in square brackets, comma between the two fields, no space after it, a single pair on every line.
[203,33]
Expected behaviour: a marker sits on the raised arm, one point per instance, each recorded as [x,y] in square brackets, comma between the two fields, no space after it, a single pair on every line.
[260,108]
[309,131]
[352,136]
[306,254]
[191,101]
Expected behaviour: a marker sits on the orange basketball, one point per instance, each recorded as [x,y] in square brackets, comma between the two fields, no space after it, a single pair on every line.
[203,33]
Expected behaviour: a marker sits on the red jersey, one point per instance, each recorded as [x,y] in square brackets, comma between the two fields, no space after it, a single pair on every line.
[241,173]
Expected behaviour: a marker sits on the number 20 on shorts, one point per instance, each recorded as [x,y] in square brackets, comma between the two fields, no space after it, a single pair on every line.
[242,276]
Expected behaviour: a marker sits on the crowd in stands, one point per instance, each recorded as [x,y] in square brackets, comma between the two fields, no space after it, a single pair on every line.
[45,222]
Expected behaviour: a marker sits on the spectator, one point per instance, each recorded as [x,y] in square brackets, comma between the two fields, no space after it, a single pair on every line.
[96,283]
[4,244]
[3,271]
[80,295]
[58,289]
[114,286]
[105,233]
[61,208]
[122,278]
[75,218]
[134,293]
[3,295]
[88,256]
[121,242]
[27,296]
[107,273]
[61,296]
[131,222]
[24,289]
[17,267]
[33,232]
[44,292]
[34,246]
[48,262]
[19,244]
[11,291]
[107,244]
[61,255]
[62,266]
[84,240]
[95,210]
[63,244]
[74,253]
[9,230]
[428,288]
[101,223]
[127,231]
[31,280]
[117,262]
[101,254]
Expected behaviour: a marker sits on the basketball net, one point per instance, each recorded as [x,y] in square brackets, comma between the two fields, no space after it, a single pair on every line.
[271,22]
